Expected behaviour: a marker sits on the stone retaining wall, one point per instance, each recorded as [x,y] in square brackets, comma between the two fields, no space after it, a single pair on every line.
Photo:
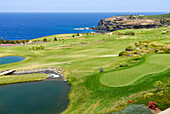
[57,70]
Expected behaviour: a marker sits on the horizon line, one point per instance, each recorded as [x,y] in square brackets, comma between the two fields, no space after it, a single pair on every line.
[88,12]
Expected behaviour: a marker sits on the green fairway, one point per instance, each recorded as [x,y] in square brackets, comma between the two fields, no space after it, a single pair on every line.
[152,64]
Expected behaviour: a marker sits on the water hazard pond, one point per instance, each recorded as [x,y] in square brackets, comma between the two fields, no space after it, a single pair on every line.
[45,97]
[10,59]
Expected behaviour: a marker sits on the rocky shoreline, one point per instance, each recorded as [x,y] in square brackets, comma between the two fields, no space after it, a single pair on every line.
[126,22]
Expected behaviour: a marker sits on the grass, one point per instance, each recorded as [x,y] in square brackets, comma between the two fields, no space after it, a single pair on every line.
[152,64]
[82,64]
[21,78]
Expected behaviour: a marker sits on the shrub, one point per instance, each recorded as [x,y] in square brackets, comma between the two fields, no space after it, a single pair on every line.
[161,52]
[166,32]
[78,34]
[134,52]
[123,65]
[13,42]
[129,33]
[87,33]
[44,40]
[137,44]
[161,97]
[153,45]
[166,50]
[137,57]
[145,45]
[123,53]
[150,52]
[158,85]
[130,48]
[73,35]
[145,41]
[119,33]
[55,39]
[148,95]
[156,51]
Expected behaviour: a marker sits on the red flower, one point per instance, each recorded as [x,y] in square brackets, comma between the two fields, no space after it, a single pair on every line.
[152,105]
[130,101]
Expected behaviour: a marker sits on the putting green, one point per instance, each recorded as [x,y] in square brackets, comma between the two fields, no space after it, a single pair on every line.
[153,64]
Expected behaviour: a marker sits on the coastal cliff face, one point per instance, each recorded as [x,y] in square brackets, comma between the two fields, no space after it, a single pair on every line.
[125,22]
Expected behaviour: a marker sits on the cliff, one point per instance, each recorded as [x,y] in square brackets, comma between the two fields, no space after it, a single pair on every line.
[126,22]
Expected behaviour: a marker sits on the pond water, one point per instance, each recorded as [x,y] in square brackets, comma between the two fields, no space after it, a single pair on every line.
[10,59]
[45,97]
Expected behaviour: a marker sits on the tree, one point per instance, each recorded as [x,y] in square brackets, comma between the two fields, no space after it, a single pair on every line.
[63,42]
[23,41]
[55,39]
[87,33]
[78,34]
[44,40]
[33,48]
[12,42]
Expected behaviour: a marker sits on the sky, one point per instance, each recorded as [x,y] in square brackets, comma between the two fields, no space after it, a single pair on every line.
[84,5]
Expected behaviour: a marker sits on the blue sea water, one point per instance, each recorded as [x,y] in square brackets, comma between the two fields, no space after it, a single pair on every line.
[17,26]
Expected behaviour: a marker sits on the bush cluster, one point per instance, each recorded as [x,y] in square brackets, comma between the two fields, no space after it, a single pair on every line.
[36,48]
[126,33]
[46,40]
[13,41]
[129,33]
[123,53]
[123,65]
[137,57]
[144,47]
[130,48]
[160,95]
[119,33]
[166,50]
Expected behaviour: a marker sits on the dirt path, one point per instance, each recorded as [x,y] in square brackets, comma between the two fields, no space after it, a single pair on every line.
[61,47]
[107,56]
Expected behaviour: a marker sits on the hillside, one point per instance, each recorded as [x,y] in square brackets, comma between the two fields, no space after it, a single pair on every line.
[83,56]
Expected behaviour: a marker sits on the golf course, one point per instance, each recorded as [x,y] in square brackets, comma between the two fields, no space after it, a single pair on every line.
[82,57]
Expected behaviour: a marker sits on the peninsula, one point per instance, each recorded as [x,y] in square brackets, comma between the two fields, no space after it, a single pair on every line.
[133,22]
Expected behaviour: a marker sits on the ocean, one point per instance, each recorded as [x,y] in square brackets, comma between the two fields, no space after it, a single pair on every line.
[17,26]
